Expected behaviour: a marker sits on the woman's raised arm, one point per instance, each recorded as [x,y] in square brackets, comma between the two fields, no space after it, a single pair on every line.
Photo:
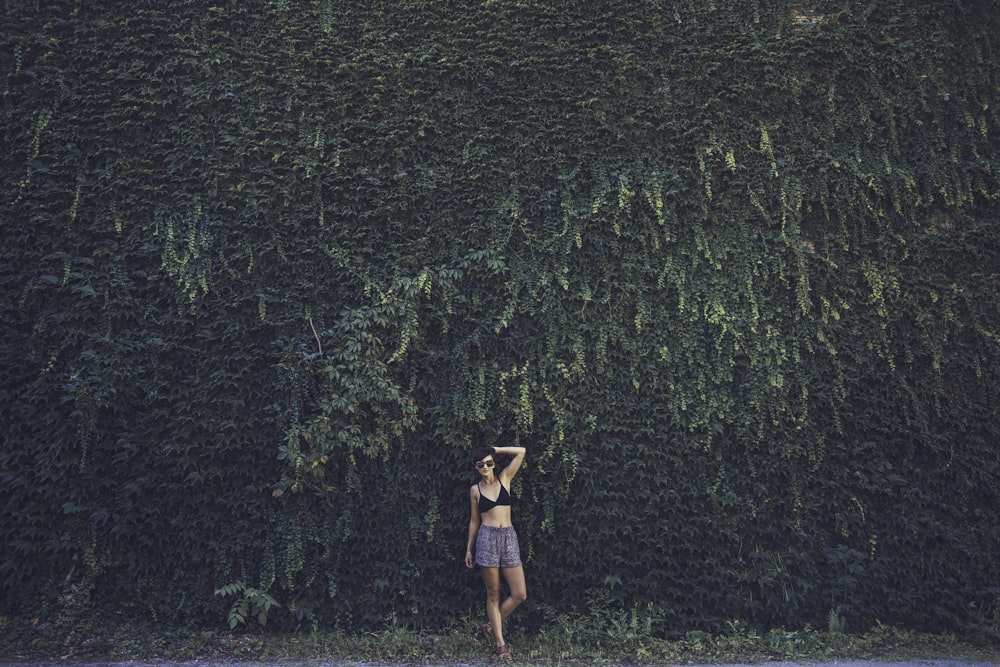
[511,469]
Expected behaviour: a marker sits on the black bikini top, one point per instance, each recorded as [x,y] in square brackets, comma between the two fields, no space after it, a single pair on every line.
[485,504]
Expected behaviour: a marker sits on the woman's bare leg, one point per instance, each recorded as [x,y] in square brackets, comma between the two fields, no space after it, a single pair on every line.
[491,577]
[514,576]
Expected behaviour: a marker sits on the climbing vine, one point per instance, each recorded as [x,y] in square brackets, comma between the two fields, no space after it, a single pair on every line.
[726,269]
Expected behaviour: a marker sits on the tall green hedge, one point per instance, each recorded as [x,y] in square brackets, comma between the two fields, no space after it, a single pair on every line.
[727,269]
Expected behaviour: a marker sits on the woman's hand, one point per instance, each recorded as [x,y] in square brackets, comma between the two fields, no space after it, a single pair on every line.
[468,560]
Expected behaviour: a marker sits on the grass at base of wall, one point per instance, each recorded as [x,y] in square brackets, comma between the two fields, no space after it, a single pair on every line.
[568,643]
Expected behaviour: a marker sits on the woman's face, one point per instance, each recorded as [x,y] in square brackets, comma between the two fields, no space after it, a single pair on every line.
[485,467]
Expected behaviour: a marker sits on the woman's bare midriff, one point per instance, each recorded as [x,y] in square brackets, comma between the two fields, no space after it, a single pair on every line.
[498,517]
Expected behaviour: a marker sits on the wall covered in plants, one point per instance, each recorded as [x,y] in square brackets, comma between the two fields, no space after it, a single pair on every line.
[727,269]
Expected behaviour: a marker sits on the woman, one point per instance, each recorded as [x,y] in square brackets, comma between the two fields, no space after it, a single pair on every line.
[496,545]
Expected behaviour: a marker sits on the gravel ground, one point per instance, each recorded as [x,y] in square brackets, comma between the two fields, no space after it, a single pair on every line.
[326,663]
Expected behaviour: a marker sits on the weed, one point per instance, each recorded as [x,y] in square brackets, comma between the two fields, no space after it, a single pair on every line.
[603,637]
[251,605]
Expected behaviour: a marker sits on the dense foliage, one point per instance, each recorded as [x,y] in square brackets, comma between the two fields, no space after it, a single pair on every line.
[727,269]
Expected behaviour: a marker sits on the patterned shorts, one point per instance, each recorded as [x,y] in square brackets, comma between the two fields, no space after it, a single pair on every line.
[497,547]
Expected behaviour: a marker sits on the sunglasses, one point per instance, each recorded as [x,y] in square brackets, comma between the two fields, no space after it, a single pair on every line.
[485,464]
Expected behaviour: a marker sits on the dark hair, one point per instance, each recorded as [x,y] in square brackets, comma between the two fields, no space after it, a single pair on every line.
[480,453]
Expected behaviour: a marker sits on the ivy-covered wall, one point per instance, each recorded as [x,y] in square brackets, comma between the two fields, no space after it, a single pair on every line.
[727,269]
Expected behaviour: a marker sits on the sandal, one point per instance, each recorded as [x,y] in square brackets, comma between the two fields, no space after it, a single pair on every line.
[504,653]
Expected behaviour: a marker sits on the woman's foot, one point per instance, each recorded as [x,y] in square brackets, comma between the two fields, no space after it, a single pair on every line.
[504,653]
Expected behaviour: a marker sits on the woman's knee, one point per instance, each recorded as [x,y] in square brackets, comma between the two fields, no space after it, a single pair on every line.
[519,596]
[493,593]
